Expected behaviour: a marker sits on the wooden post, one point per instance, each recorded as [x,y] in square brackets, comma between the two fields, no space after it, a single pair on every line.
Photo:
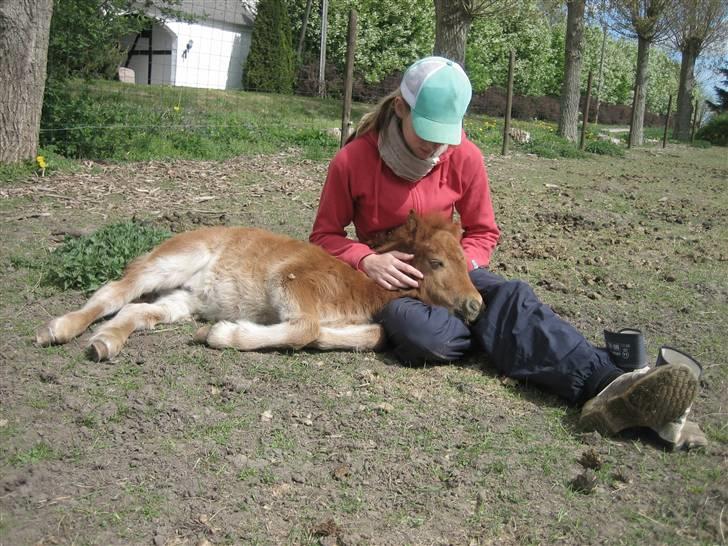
[322,52]
[695,122]
[667,121]
[149,58]
[630,137]
[585,118]
[349,78]
[509,103]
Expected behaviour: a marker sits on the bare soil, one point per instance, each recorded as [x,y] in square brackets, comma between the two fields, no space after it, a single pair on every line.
[174,443]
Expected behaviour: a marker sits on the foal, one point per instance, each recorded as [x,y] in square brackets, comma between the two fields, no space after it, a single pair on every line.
[262,290]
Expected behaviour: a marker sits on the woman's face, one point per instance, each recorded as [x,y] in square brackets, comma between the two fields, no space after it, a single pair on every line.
[421,148]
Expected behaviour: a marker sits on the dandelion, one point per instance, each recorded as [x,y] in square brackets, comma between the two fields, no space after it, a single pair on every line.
[40,160]
[176,108]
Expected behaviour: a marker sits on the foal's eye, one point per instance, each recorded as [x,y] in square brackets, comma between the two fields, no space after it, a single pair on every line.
[436,264]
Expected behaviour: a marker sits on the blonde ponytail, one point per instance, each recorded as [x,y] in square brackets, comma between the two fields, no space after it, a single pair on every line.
[377,119]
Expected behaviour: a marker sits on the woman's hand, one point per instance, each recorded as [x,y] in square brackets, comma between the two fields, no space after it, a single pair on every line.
[391,270]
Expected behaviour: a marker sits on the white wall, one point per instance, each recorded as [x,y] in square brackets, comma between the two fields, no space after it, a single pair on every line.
[162,65]
[215,60]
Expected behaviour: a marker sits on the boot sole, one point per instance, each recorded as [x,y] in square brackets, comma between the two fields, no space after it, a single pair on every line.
[655,399]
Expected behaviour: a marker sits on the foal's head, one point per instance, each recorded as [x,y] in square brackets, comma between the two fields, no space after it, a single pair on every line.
[435,243]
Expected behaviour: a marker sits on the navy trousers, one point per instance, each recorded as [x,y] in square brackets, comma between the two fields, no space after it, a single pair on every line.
[521,336]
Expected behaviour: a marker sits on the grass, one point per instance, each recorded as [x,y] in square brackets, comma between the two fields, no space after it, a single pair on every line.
[55,162]
[162,434]
[221,431]
[106,120]
[41,451]
[113,121]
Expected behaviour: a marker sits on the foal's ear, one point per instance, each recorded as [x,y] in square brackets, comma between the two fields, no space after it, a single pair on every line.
[412,222]
[457,229]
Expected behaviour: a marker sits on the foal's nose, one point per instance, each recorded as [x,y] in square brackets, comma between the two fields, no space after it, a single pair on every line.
[471,308]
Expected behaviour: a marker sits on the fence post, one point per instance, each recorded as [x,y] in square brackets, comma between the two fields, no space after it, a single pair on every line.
[585,119]
[630,141]
[509,103]
[667,121]
[348,78]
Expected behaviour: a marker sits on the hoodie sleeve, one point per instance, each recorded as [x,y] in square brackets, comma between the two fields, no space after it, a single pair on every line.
[475,207]
[335,212]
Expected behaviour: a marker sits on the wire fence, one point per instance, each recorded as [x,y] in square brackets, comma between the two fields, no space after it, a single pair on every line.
[209,51]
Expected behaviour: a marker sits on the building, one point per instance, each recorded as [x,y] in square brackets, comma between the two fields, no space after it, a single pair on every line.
[208,52]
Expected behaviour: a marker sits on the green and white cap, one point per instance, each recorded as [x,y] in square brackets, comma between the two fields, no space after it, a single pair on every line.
[438,92]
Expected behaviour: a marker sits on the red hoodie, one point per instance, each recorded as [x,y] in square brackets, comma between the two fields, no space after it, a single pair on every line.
[362,189]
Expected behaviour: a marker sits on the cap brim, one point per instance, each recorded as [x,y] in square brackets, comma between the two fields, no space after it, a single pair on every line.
[435,131]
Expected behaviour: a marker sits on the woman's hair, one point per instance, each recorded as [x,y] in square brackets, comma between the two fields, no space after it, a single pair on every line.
[377,119]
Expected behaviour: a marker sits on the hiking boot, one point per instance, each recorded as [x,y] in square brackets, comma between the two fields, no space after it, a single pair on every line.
[626,348]
[648,397]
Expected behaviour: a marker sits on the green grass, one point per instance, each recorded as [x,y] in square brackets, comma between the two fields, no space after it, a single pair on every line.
[145,501]
[55,162]
[112,121]
[41,451]
[220,433]
[463,456]
[487,133]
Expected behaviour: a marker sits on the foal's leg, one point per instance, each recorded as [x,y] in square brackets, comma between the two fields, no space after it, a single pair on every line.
[155,272]
[249,336]
[356,337]
[111,336]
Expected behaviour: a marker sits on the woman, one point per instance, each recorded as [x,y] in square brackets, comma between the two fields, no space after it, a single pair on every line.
[411,153]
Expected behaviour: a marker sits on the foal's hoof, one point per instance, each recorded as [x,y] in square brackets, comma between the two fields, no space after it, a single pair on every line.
[44,336]
[98,351]
[202,333]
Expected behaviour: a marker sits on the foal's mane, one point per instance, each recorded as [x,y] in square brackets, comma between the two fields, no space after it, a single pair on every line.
[416,231]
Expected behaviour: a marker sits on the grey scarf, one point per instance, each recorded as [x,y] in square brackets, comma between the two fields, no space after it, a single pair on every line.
[398,157]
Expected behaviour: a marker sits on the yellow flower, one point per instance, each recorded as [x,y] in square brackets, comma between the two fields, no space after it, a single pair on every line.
[41,161]
[176,108]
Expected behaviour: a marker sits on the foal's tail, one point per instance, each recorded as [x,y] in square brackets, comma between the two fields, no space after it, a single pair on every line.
[168,266]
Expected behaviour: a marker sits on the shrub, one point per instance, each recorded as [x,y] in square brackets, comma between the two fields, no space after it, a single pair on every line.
[715,131]
[270,65]
[523,107]
[491,102]
[85,263]
[604,147]
[547,108]
[79,123]
[552,146]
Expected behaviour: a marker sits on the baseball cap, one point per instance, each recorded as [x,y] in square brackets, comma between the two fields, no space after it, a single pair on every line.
[438,92]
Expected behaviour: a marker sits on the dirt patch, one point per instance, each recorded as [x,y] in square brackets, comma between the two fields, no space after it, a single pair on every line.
[174,443]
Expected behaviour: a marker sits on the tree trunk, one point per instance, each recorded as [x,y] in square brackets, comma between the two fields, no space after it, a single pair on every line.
[302,37]
[24,28]
[570,91]
[684,111]
[452,24]
[643,57]
[600,78]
